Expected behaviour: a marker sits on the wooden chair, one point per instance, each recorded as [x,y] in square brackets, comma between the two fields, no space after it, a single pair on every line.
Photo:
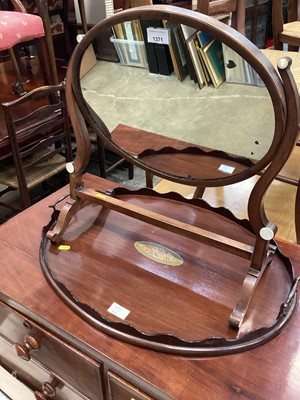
[289,32]
[40,140]
[108,160]
[215,7]
[54,14]
[210,7]
[19,27]
[136,3]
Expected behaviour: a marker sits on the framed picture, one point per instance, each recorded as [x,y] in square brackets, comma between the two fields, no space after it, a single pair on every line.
[129,44]
[130,52]
[213,57]
[193,47]
[187,31]
[204,38]
[176,47]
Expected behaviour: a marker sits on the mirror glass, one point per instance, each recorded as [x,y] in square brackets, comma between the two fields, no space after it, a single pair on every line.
[178,99]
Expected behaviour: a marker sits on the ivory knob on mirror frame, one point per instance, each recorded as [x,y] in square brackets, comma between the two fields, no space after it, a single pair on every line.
[266,233]
[70,167]
[282,63]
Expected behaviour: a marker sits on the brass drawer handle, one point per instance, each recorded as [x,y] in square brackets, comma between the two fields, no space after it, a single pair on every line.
[48,390]
[23,351]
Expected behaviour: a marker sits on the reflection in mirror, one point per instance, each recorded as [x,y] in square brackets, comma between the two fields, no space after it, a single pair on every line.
[209,97]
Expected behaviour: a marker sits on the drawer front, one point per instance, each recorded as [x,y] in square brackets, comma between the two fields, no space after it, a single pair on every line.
[66,363]
[21,380]
[119,389]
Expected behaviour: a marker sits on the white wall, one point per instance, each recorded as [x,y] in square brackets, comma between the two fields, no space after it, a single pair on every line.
[95,10]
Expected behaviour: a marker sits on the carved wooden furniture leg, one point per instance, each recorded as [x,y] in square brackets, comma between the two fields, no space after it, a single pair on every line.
[68,211]
[149,180]
[250,282]
[17,86]
[18,27]
[199,192]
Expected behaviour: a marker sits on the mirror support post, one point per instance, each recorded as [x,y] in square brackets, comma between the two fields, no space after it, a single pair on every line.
[260,259]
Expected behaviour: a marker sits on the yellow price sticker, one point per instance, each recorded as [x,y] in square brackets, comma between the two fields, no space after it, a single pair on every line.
[64,247]
[101,196]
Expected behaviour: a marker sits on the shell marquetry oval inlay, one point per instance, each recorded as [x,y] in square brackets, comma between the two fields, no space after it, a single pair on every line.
[158,253]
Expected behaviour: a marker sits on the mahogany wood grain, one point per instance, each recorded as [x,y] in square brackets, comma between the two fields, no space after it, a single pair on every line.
[33,344]
[103,241]
[267,372]
[283,94]
[141,143]
[120,389]
[279,201]
[169,224]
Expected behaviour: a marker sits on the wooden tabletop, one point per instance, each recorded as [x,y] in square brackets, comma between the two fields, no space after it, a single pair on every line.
[270,371]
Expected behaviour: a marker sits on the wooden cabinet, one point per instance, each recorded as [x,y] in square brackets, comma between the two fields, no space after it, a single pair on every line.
[118,389]
[37,356]
[23,380]
[44,365]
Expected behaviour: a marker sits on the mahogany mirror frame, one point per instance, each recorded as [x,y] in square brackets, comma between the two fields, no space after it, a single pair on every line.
[283,92]
[219,31]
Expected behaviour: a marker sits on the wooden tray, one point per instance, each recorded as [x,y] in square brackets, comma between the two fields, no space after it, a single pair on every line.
[177,291]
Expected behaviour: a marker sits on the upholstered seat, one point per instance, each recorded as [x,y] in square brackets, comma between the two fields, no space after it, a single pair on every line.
[18,27]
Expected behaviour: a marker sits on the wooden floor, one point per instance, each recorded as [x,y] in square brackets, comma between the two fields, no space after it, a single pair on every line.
[279,201]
